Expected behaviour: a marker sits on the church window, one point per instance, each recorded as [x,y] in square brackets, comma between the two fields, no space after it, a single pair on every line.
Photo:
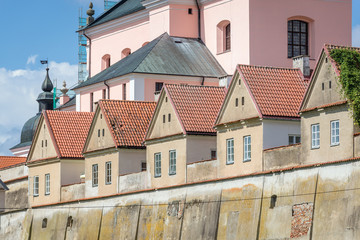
[227,38]
[223,36]
[126,52]
[105,61]
[298,35]
[124,91]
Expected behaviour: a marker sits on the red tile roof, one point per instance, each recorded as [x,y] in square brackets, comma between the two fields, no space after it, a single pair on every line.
[196,106]
[69,130]
[11,161]
[128,120]
[277,91]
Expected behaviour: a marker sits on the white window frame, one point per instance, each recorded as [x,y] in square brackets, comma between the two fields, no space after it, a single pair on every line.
[108,173]
[157,164]
[315,136]
[335,132]
[95,175]
[230,151]
[172,162]
[294,136]
[36,186]
[247,148]
[47,184]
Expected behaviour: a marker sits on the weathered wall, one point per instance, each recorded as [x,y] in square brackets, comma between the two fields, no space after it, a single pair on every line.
[282,157]
[13,172]
[134,182]
[17,195]
[72,192]
[320,202]
[201,171]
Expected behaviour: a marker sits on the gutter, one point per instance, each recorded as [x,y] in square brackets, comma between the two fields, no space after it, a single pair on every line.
[89,53]
[108,88]
[199,18]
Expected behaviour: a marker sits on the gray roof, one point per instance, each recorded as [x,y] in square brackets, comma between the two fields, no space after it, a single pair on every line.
[28,132]
[122,8]
[165,55]
[71,102]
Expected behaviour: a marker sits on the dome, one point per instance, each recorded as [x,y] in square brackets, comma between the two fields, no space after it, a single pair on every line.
[28,131]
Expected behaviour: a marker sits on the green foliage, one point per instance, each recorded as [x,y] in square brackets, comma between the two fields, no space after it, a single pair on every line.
[349,65]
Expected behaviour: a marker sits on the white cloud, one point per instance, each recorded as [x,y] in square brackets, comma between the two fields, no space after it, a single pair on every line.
[356,36]
[31,59]
[18,92]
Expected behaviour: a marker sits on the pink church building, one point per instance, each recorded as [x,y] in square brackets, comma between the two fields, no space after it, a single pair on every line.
[227,32]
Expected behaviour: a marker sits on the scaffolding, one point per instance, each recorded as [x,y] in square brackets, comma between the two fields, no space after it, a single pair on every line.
[82,52]
[109,4]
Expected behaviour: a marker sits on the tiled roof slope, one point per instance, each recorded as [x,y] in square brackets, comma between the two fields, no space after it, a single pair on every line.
[164,55]
[70,130]
[128,120]
[329,47]
[278,92]
[121,9]
[9,161]
[71,102]
[197,106]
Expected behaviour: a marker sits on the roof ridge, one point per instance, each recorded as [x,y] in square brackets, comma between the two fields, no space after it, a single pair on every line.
[269,67]
[188,85]
[150,50]
[343,46]
[118,100]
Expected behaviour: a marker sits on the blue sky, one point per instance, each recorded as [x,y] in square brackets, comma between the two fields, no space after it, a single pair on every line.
[40,29]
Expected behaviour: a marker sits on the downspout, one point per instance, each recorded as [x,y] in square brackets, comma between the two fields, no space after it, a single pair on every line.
[199,18]
[108,88]
[89,52]
[202,81]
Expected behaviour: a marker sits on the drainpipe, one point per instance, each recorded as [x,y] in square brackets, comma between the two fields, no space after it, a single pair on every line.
[202,81]
[199,17]
[108,88]
[89,52]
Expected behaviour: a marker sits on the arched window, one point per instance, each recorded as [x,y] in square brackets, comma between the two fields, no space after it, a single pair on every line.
[126,52]
[224,36]
[298,38]
[105,61]
[145,43]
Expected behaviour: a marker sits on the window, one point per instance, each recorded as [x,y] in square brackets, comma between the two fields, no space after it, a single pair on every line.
[315,136]
[99,133]
[42,143]
[143,166]
[47,184]
[169,117]
[322,86]
[297,38]
[242,101]
[91,102]
[227,38]
[157,162]
[44,223]
[124,91]
[190,11]
[236,102]
[213,154]
[126,52]
[273,201]
[230,151]
[45,143]
[335,138]
[164,118]
[95,179]
[172,162]
[158,86]
[293,139]
[247,148]
[329,84]
[108,173]
[36,186]
[105,62]
[103,132]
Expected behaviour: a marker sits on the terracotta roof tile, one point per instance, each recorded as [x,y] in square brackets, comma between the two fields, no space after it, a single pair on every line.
[70,130]
[197,106]
[277,91]
[10,161]
[129,120]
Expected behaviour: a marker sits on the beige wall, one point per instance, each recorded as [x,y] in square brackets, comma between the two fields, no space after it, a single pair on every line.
[163,147]
[237,131]
[73,192]
[130,160]
[55,180]
[17,195]
[160,129]
[71,171]
[101,158]
[95,142]
[317,96]
[326,152]
[199,147]
[42,136]
[282,157]
[13,172]
[202,171]
[357,146]
[232,113]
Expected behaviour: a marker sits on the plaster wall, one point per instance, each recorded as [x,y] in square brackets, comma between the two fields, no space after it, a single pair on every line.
[276,132]
[164,147]
[268,22]
[134,182]
[71,170]
[180,17]
[2,200]
[43,145]
[201,171]
[54,169]
[73,192]
[357,146]
[199,147]
[237,132]
[283,157]
[130,160]
[100,158]
[13,172]
[231,112]
[326,152]
[17,195]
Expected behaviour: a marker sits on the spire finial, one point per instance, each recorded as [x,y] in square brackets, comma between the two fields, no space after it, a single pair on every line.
[64,90]
[90,12]
[47,85]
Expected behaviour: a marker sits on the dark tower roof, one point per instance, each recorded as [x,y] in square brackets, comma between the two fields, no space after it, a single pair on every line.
[47,85]
[28,131]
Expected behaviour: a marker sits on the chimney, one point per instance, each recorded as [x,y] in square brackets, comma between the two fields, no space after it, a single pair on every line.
[64,98]
[302,62]
[90,12]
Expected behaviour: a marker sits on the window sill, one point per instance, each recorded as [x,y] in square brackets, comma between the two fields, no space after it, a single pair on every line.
[108,183]
[47,194]
[334,145]
[95,185]
[36,195]
[247,160]
[314,148]
[229,163]
[172,174]
[158,176]
[227,51]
